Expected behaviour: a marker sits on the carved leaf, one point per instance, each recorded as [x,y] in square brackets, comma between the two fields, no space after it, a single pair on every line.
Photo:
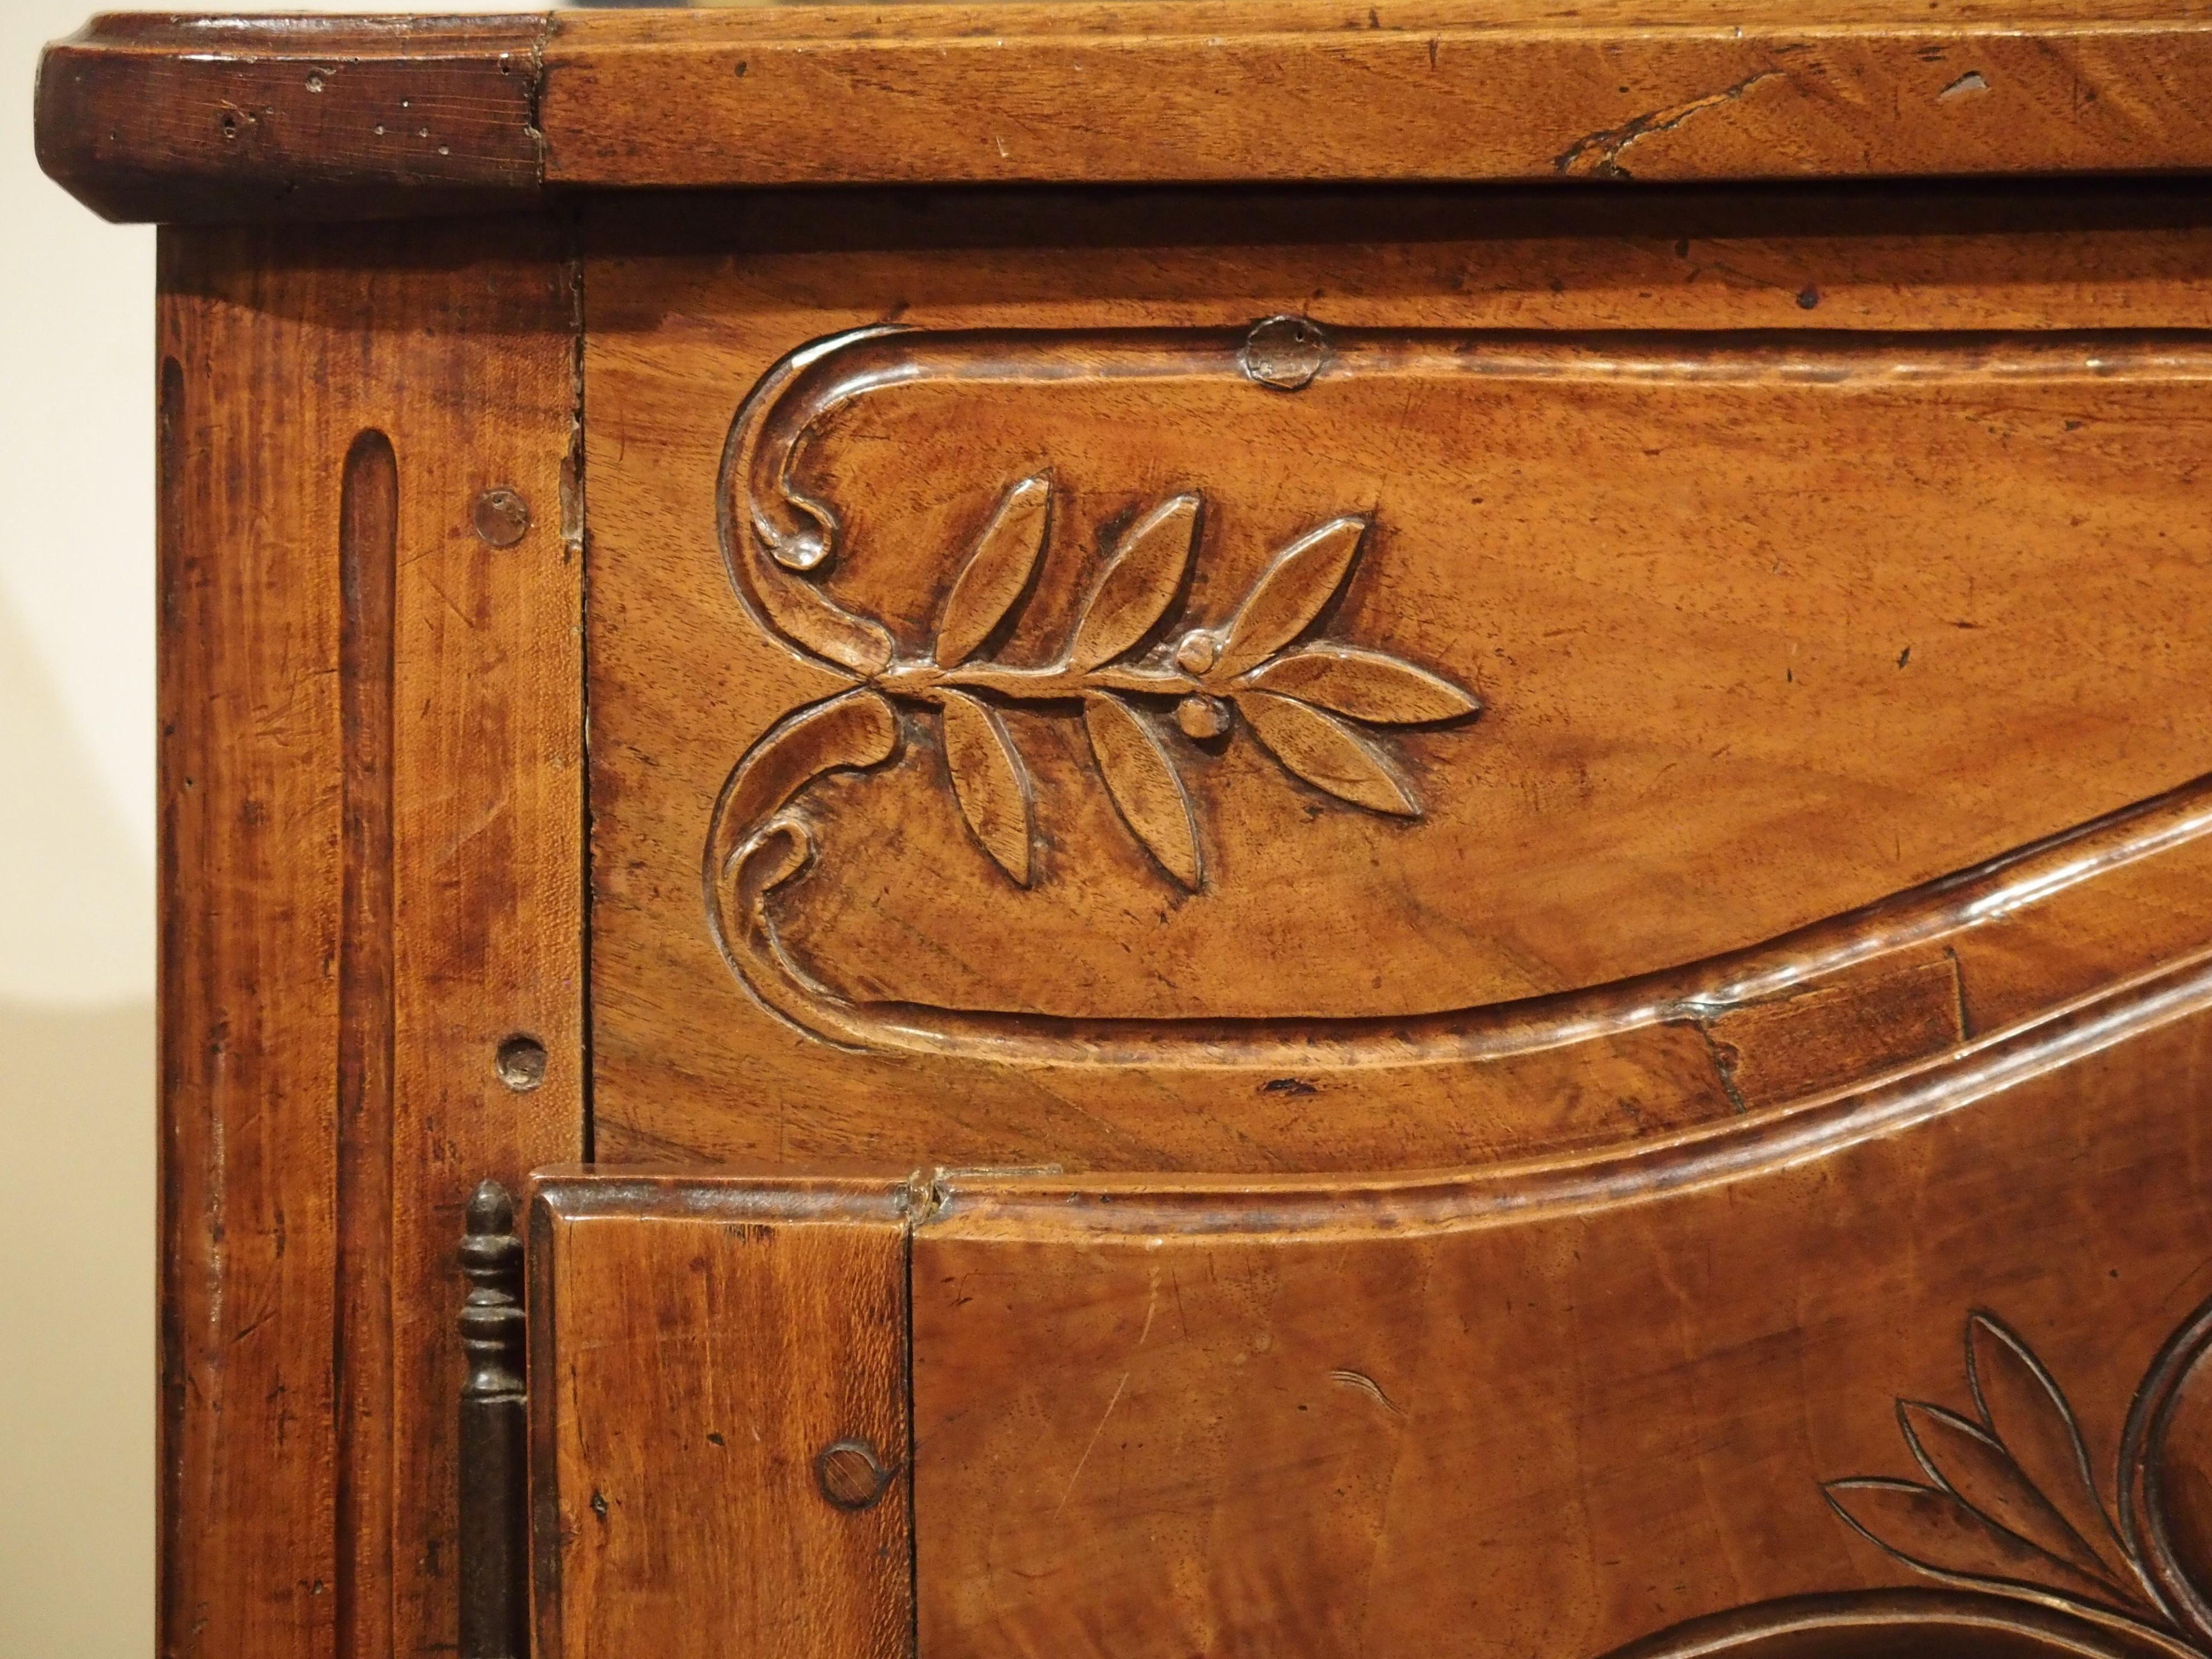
[1005,559]
[1327,754]
[1139,583]
[1968,1460]
[988,783]
[1365,684]
[1927,1528]
[1145,785]
[2021,1405]
[1291,593]
[855,731]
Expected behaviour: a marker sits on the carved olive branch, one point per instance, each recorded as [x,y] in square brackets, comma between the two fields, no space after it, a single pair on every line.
[1303,702]
[1300,703]
[1310,704]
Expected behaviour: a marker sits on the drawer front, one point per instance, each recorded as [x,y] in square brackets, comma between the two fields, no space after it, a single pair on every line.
[1157,686]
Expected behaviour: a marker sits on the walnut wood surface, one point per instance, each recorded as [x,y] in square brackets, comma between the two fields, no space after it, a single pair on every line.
[1325,91]
[371,815]
[182,119]
[760,1504]
[1838,616]
[216,119]
[1648,1400]
[1397,910]
[1556,1409]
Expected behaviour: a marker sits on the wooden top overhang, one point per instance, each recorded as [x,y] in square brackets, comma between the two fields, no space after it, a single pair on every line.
[204,119]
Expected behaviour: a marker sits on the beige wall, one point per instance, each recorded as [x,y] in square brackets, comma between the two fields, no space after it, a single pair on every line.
[77,933]
[77,926]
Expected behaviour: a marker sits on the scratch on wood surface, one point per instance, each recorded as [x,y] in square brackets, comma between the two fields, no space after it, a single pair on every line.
[1090,1445]
[1367,1385]
[1599,154]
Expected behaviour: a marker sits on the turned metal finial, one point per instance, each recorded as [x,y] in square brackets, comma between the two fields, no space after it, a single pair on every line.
[493,1424]
[491,1318]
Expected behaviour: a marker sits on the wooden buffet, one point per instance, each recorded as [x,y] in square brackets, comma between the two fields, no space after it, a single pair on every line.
[1254,829]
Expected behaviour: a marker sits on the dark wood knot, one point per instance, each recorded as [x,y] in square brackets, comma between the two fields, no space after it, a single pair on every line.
[851,1475]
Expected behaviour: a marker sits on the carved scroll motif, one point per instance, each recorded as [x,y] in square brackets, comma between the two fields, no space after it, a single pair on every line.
[1315,705]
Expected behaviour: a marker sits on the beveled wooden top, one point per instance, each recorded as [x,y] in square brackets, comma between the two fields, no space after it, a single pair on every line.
[189,119]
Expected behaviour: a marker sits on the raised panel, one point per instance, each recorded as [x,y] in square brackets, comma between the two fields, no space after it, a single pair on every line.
[1946,1334]
[1909,1368]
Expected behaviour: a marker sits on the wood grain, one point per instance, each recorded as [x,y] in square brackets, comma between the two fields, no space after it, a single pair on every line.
[1648,1400]
[371,799]
[205,120]
[767,1324]
[1398,910]
[1487,527]
[1325,92]
[1557,1410]
[222,120]
[1641,620]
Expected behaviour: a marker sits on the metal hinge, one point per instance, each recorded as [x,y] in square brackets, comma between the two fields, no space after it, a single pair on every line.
[494,1436]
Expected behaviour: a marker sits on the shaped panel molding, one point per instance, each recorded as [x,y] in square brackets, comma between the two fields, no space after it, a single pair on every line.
[1150,664]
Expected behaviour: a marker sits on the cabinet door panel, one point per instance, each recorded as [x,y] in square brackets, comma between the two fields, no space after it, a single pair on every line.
[1916,1365]
[719,1419]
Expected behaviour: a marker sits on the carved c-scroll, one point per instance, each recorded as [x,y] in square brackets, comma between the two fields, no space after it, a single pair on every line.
[1309,702]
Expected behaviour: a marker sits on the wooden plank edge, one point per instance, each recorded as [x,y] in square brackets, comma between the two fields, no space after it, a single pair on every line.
[1098,101]
[579,1192]
[218,119]
[209,121]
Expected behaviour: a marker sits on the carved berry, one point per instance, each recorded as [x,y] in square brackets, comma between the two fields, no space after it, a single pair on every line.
[1202,717]
[1197,652]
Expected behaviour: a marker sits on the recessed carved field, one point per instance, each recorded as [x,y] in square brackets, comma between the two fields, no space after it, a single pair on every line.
[1753,626]
[1318,731]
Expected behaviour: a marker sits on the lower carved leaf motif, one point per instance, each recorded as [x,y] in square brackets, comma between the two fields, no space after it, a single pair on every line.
[989,782]
[2009,1518]
[1326,754]
[1146,789]
[1982,1519]
[1944,1535]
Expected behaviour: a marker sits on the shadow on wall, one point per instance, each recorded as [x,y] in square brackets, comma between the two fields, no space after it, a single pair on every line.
[76,1321]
